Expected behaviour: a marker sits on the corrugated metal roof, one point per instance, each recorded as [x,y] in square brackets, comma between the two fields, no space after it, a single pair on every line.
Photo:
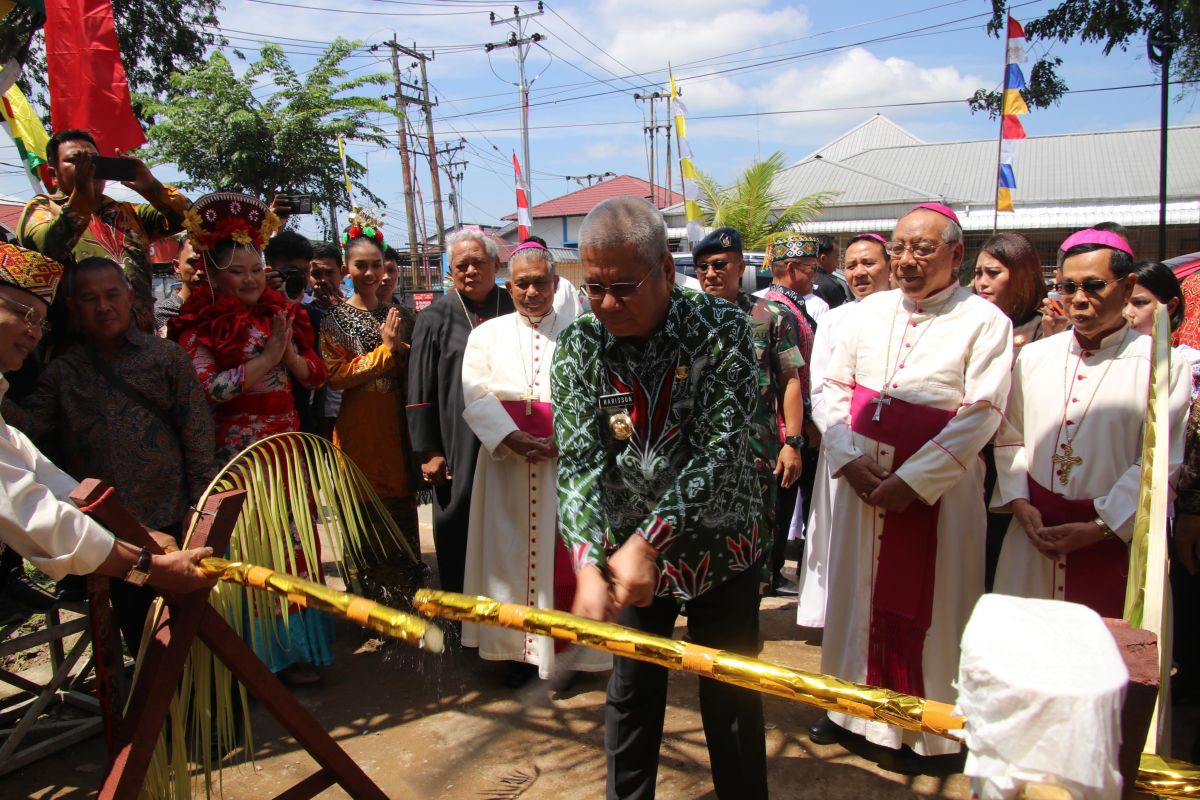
[580,202]
[876,132]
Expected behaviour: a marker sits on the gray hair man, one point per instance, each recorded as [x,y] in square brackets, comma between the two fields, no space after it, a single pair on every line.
[653,396]
[446,447]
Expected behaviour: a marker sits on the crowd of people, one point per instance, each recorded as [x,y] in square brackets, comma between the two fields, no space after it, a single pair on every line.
[627,449]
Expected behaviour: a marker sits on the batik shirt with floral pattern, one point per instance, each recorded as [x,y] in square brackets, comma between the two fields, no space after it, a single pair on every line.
[685,479]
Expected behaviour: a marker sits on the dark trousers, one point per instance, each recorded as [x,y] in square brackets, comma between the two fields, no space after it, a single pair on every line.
[131,604]
[785,508]
[725,618]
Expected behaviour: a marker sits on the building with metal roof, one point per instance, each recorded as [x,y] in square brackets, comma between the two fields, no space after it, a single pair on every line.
[1064,182]
[558,220]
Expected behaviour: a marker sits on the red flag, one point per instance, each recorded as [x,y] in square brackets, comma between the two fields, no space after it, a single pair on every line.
[1015,31]
[523,221]
[88,89]
[1013,129]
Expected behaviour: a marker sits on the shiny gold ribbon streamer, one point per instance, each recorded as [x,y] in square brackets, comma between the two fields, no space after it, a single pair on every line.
[1165,777]
[823,691]
[397,624]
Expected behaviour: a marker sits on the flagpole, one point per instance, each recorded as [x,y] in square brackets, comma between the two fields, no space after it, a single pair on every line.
[1000,135]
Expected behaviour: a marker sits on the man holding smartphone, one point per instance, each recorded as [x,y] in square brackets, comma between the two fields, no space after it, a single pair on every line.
[78,220]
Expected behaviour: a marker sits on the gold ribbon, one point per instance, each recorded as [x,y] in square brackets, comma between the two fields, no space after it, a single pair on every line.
[307,594]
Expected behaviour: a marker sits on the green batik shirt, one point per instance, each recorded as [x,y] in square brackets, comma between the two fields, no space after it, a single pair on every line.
[685,479]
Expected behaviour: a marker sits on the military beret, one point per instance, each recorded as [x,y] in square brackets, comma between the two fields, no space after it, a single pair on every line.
[722,240]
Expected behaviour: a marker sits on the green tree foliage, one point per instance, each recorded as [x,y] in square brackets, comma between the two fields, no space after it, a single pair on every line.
[157,37]
[755,205]
[1114,24]
[271,129]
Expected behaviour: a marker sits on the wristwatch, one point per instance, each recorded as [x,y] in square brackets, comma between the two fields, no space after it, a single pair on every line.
[140,572]
[796,441]
[1108,532]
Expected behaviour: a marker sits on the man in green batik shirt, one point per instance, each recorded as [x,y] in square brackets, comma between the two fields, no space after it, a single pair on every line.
[659,502]
[775,434]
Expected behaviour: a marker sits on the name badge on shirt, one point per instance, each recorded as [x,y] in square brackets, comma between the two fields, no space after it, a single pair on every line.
[619,400]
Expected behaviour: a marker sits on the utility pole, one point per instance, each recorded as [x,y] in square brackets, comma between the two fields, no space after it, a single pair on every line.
[1160,46]
[451,150]
[652,130]
[456,179]
[406,167]
[590,176]
[520,43]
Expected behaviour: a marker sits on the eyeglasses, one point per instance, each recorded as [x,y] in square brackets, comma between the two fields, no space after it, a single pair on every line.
[28,314]
[716,265]
[1092,286]
[919,249]
[596,291]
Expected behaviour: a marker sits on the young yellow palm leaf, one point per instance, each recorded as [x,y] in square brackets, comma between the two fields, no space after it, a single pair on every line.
[294,483]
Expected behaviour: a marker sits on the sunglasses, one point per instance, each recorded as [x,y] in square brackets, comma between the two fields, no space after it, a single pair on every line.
[1092,286]
[596,291]
[716,265]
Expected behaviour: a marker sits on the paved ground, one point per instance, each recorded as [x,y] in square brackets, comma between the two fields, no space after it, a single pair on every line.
[445,727]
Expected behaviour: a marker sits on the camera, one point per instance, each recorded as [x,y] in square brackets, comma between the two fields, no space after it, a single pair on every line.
[295,281]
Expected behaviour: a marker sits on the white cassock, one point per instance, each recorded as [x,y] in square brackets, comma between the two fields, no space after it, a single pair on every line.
[814,578]
[896,616]
[1095,400]
[513,538]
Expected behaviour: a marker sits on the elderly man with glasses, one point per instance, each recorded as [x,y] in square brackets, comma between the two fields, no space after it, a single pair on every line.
[659,503]
[445,445]
[1073,497]
[914,390]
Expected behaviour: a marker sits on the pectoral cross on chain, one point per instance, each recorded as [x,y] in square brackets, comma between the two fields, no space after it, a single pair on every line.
[528,397]
[880,401]
[1066,461]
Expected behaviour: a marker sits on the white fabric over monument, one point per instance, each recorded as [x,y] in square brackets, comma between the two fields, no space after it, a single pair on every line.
[511,539]
[813,577]
[1103,394]
[1041,685]
[956,351]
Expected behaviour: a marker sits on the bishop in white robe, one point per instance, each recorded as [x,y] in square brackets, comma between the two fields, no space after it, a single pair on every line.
[914,390]
[514,554]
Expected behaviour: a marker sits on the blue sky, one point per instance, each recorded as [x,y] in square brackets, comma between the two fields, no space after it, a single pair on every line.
[748,58]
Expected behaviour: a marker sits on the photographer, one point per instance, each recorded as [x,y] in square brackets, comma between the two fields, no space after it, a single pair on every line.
[289,266]
[78,220]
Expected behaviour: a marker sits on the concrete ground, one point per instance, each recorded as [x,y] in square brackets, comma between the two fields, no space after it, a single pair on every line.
[425,726]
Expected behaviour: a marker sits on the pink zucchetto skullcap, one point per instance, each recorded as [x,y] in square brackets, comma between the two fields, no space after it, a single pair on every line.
[938,208]
[1093,236]
[874,237]
[526,246]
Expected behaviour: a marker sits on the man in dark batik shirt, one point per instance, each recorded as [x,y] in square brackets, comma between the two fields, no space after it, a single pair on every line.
[659,502]
[445,445]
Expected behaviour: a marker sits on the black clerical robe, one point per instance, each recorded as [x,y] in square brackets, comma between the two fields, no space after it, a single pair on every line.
[435,416]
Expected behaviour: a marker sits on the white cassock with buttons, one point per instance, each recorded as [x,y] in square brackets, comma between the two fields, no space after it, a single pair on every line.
[944,363]
[1073,424]
[513,538]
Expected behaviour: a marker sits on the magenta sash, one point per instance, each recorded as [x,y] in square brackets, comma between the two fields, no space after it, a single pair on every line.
[1093,576]
[902,598]
[538,422]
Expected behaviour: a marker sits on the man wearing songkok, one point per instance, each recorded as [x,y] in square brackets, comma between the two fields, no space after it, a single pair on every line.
[776,438]
[1073,497]
[78,220]
[914,390]
[793,262]
[653,396]
[37,518]
[513,551]
[444,443]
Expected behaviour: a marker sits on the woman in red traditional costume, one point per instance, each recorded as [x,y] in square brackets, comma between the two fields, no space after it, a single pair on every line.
[248,343]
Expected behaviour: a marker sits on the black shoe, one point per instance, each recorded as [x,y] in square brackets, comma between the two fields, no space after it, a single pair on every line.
[23,591]
[782,587]
[823,731]
[517,674]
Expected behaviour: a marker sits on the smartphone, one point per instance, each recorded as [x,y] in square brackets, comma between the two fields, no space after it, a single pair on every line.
[1054,305]
[111,168]
[299,203]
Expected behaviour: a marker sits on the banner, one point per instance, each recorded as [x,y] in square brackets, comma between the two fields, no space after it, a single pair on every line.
[691,189]
[1012,106]
[28,135]
[88,89]
[523,221]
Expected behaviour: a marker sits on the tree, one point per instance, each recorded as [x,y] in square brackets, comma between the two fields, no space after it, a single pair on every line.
[1115,24]
[215,128]
[755,206]
[157,37]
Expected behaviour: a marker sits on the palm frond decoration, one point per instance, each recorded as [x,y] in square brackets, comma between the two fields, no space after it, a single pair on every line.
[754,203]
[294,482]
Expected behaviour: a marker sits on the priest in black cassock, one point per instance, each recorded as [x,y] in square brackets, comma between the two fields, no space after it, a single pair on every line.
[445,446]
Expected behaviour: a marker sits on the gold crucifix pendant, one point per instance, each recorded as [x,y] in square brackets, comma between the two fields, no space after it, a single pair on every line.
[528,398]
[1066,461]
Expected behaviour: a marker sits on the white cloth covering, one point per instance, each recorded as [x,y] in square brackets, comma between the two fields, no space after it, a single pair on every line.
[1041,685]
[37,518]
[813,578]
[961,362]
[511,539]
[1107,435]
